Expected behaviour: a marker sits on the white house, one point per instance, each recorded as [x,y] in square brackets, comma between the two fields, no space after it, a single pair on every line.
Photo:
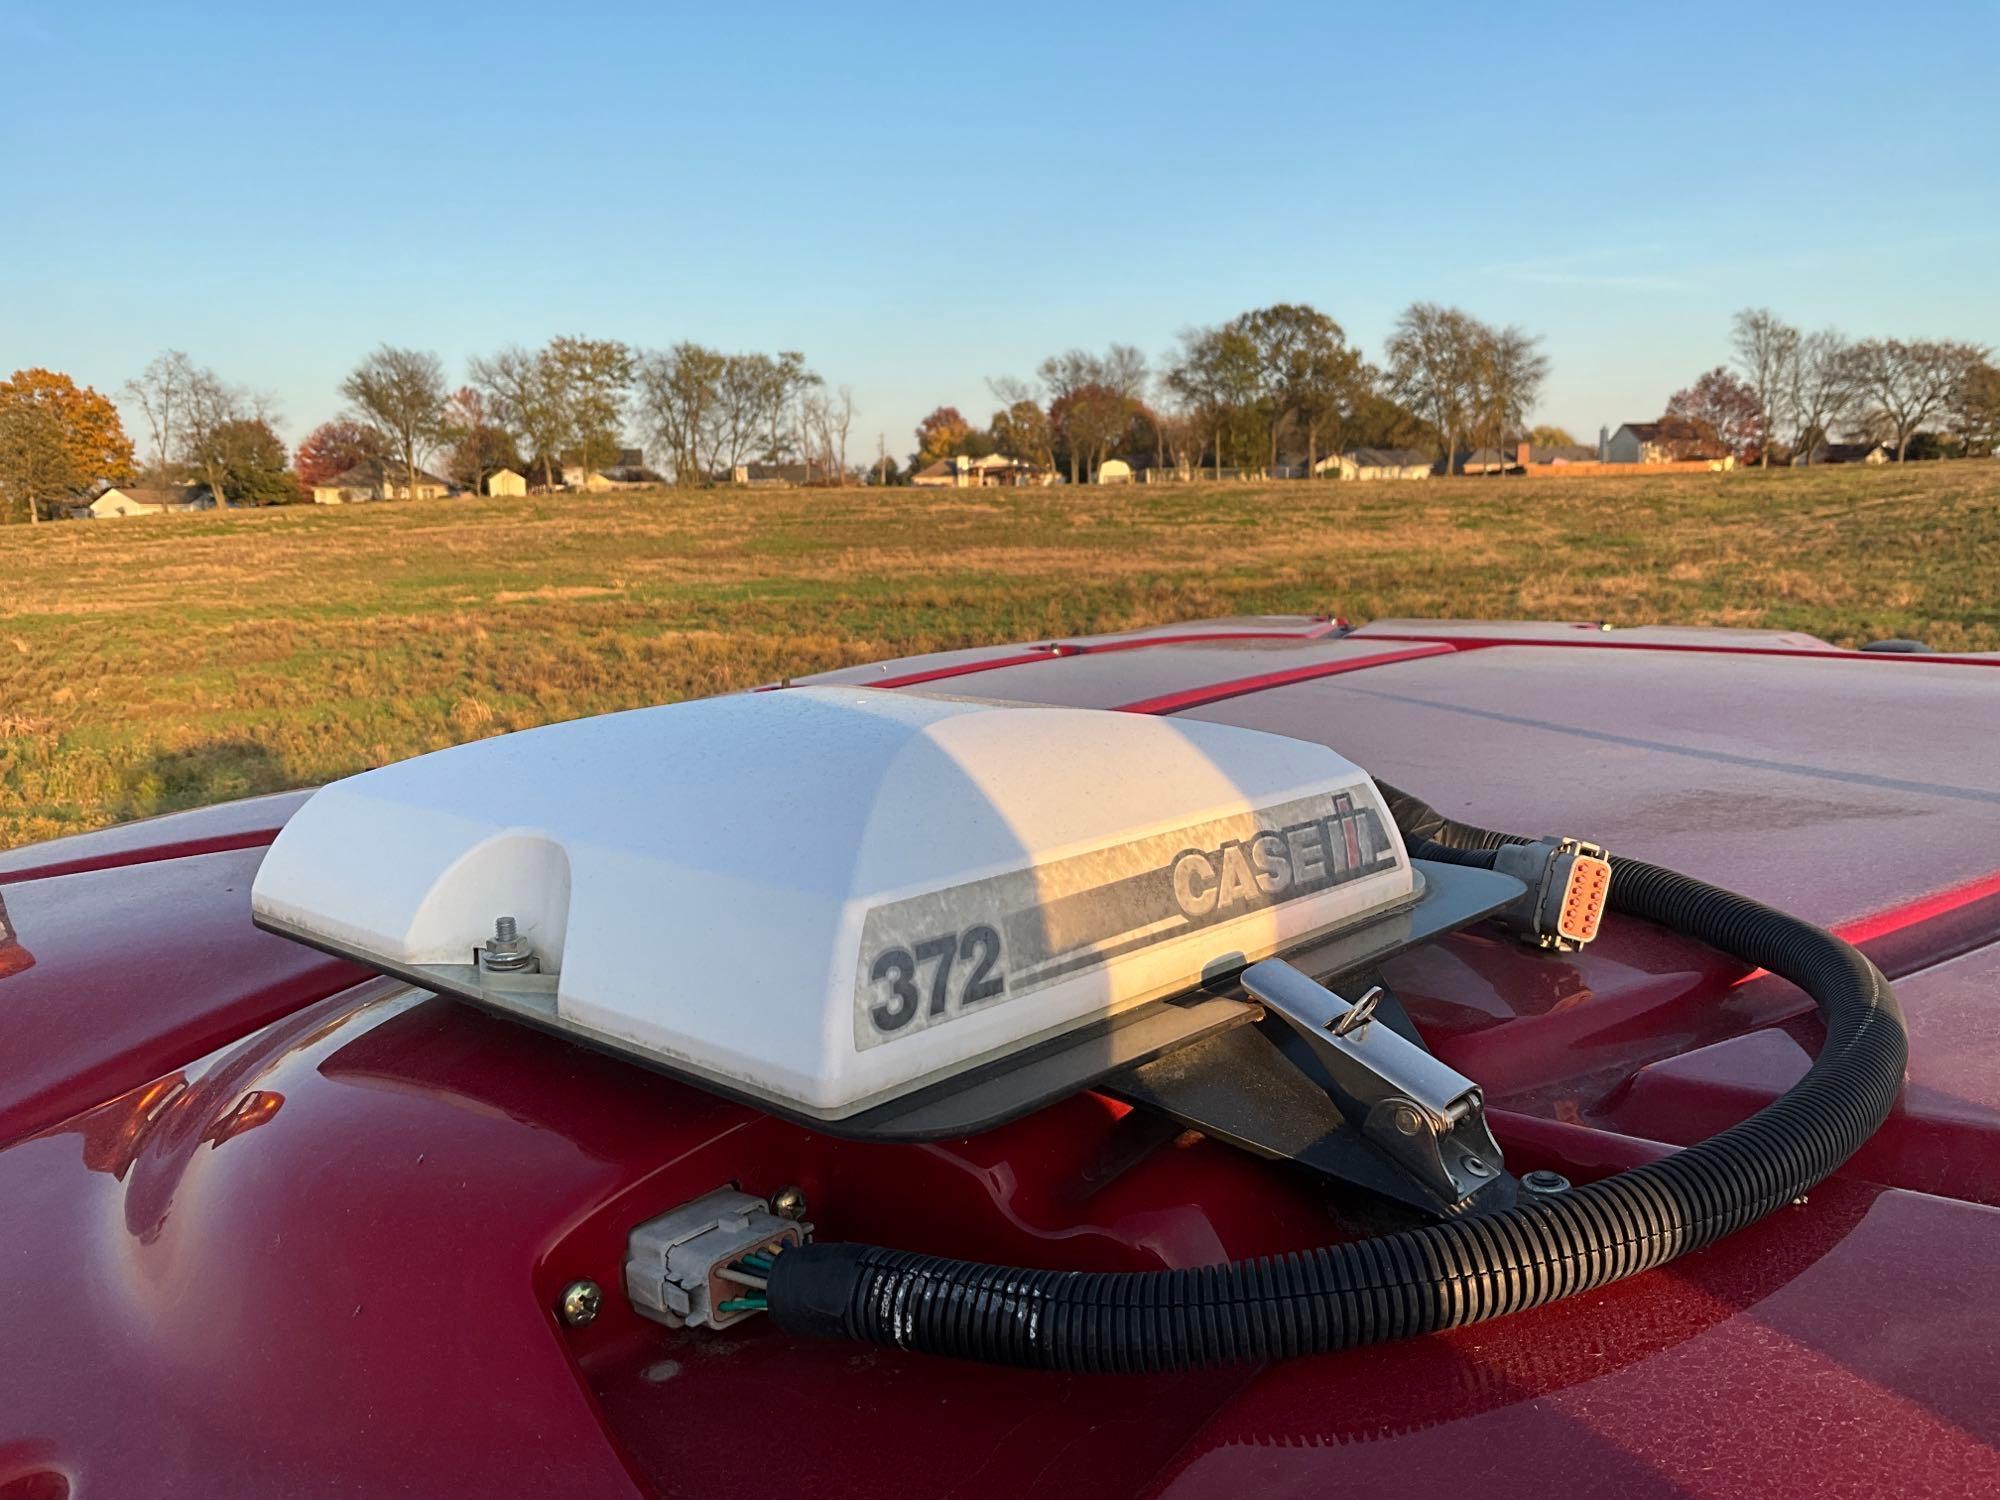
[1377,463]
[377,479]
[1114,471]
[506,482]
[133,500]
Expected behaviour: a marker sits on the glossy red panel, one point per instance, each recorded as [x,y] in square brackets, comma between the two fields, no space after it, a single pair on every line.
[113,976]
[260,1241]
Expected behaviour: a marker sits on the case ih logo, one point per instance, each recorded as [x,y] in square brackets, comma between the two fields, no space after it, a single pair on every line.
[931,958]
[1275,864]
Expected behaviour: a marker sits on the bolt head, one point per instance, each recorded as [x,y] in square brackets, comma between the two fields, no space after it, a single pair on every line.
[789,1203]
[1545,1182]
[580,1303]
[1406,1119]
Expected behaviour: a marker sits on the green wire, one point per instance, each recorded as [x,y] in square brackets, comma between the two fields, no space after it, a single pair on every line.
[741,1304]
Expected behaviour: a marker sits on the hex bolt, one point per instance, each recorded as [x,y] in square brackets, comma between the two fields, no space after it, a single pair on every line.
[789,1203]
[1544,1182]
[580,1303]
[506,952]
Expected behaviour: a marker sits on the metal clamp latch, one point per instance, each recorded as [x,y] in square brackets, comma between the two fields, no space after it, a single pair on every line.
[1427,1117]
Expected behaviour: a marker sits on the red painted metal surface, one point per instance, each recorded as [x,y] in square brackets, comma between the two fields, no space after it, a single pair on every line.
[265,1234]
[1239,687]
[1612,643]
[133,970]
[249,824]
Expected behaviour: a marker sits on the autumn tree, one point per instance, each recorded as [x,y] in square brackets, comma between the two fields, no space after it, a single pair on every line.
[402,392]
[1545,435]
[1721,409]
[1767,349]
[37,468]
[1905,383]
[60,437]
[92,436]
[1020,429]
[332,448]
[1089,421]
[939,435]
[1092,399]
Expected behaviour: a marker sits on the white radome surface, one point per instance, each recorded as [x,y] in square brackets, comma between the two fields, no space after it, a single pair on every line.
[741,887]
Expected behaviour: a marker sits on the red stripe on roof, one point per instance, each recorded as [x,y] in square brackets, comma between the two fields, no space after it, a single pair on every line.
[1058,649]
[1598,643]
[1924,909]
[1236,687]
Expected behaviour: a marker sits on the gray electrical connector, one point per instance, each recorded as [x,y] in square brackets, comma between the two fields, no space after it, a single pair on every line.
[675,1265]
[1568,884]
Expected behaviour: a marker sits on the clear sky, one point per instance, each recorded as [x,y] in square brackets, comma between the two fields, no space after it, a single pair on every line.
[921,196]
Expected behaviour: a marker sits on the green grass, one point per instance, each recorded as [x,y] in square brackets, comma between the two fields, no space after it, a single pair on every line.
[167,661]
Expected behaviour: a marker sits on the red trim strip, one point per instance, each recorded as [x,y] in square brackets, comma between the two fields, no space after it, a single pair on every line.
[1924,909]
[961,669]
[1057,649]
[1215,692]
[1597,643]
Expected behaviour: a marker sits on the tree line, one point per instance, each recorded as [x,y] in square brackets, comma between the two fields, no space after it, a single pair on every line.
[1266,387]
[1272,390]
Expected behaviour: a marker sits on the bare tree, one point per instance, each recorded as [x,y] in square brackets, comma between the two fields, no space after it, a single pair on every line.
[1436,355]
[403,392]
[160,391]
[209,408]
[1766,347]
[527,399]
[1215,376]
[1821,389]
[1905,383]
[675,398]
[1510,372]
[742,394]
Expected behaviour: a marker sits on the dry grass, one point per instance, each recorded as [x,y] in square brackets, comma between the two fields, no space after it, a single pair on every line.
[162,662]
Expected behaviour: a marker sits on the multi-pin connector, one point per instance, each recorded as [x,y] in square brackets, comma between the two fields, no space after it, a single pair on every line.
[704,1264]
[1569,883]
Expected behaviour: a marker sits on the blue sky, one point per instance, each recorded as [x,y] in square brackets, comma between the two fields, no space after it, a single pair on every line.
[920,196]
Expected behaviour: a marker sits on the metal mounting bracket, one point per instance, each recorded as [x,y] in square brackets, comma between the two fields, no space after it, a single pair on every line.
[1427,1117]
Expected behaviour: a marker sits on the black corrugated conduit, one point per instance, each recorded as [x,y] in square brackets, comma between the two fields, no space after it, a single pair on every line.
[1438,1276]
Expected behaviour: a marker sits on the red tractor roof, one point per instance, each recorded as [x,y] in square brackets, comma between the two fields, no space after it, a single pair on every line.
[280,1226]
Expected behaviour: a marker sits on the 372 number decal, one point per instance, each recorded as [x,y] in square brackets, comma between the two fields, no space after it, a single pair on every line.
[919,979]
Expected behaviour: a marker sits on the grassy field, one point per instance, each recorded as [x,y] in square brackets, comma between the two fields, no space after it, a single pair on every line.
[166,661]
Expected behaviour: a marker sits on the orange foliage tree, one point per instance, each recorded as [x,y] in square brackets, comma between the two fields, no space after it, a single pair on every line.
[82,422]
